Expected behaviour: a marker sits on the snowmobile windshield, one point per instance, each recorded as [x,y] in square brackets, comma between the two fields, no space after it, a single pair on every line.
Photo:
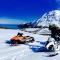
[20,34]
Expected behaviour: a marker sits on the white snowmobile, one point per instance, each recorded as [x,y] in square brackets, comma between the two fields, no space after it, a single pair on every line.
[52,46]
[53,42]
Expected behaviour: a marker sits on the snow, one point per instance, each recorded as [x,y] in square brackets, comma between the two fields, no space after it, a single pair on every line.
[44,31]
[49,17]
[31,29]
[22,52]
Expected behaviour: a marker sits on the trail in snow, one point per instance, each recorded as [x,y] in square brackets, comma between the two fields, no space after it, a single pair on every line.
[22,52]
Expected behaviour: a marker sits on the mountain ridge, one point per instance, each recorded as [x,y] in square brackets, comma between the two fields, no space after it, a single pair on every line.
[48,18]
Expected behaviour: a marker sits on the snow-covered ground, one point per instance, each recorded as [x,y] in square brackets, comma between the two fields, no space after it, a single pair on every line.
[44,31]
[32,30]
[22,52]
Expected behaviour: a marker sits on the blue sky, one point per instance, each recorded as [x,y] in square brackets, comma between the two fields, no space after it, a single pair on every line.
[15,11]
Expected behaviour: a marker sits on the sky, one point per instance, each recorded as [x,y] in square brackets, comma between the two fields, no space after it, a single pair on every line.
[19,11]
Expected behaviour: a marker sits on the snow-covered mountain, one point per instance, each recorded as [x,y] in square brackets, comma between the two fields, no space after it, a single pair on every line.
[49,17]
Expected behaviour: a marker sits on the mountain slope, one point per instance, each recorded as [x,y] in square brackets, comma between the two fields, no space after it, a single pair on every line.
[49,17]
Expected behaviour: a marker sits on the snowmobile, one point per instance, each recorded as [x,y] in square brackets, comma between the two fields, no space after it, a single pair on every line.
[52,46]
[20,39]
[53,42]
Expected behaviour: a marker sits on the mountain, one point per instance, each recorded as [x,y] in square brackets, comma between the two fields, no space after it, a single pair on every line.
[49,18]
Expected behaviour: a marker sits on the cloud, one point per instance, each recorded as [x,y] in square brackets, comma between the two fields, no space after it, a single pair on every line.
[10,21]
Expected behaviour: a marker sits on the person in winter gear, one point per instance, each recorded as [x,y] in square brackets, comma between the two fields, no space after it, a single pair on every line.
[55,31]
